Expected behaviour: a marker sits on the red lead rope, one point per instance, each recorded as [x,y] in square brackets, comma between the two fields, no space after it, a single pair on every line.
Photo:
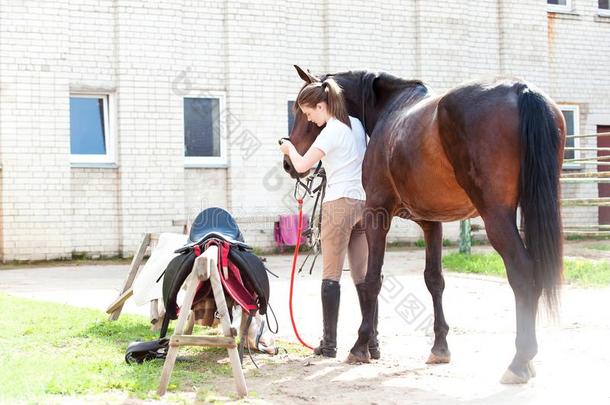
[294,265]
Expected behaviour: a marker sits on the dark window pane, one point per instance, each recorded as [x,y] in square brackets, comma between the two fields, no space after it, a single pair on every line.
[87,132]
[558,2]
[569,117]
[603,4]
[290,116]
[201,127]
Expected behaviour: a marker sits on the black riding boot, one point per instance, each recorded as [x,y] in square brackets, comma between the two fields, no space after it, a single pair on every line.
[373,342]
[331,294]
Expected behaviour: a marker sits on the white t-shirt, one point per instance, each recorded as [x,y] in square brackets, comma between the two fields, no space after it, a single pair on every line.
[344,151]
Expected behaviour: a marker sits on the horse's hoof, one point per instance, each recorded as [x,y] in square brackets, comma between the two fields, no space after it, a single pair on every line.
[353,359]
[438,359]
[531,369]
[375,353]
[511,378]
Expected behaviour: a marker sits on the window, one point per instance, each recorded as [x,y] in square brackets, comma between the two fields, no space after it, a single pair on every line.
[570,113]
[204,132]
[290,116]
[91,134]
[559,5]
[603,7]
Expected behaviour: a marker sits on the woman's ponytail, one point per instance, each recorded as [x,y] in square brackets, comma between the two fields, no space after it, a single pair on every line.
[329,92]
[336,101]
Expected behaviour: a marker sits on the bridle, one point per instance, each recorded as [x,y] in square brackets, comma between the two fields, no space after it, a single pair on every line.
[310,189]
[315,224]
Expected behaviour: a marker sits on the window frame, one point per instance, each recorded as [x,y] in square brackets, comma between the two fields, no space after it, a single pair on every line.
[288,100]
[603,12]
[110,138]
[575,108]
[209,161]
[557,8]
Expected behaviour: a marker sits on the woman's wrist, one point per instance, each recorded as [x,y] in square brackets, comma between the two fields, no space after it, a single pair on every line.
[293,154]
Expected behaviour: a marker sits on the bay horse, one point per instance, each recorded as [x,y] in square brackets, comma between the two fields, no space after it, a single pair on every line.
[481,149]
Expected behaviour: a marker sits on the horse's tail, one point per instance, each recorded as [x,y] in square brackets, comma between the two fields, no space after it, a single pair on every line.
[540,192]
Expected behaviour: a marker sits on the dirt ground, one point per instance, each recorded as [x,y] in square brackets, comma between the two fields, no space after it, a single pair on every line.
[572,363]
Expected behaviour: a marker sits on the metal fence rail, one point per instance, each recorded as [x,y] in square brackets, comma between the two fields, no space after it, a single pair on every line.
[592,175]
[581,177]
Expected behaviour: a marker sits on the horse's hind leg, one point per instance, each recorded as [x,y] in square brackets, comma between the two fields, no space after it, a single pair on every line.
[377,219]
[433,235]
[501,228]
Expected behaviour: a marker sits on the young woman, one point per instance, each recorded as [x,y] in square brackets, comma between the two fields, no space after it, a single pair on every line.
[340,146]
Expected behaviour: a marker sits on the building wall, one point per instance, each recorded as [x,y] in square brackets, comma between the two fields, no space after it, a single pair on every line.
[34,119]
[578,72]
[149,55]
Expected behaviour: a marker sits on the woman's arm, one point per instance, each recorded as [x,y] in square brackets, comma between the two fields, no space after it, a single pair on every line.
[303,163]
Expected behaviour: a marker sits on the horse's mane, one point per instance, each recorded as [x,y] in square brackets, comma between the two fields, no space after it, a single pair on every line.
[407,90]
[388,81]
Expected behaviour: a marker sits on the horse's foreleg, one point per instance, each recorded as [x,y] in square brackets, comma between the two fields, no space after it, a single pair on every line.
[433,235]
[377,224]
[503,234]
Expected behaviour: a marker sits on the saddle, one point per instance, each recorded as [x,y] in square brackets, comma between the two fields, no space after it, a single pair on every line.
[216,223]
[243,275]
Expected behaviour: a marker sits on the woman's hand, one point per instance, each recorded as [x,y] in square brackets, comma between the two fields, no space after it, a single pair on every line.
[285,147]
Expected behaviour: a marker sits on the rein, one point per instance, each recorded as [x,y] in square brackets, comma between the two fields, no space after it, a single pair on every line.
[318,190]
[313,234]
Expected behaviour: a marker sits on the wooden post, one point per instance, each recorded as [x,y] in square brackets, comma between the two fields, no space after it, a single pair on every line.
[205,267]
[117,306]
[465,237]
[225,324]
[190,323]
[172,352]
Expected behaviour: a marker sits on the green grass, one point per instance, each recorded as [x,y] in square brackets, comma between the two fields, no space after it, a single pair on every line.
[67,262]
[600,246]
[576,237]
[49,349]
[579,271]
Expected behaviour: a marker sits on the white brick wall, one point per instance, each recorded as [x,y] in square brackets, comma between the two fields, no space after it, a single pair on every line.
[136,51]
[34,115]
[95,203]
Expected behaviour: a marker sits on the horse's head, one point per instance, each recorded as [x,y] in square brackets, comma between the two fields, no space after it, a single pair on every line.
[303,132]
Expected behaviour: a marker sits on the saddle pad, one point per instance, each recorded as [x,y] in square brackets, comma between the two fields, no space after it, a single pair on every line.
[145,286]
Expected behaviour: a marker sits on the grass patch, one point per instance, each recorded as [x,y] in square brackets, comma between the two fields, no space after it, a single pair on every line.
[52,349]
[579,271]
[64,262]
[576,237]
[600,246]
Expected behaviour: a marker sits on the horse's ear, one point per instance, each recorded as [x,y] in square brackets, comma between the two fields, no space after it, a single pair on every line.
[307,76]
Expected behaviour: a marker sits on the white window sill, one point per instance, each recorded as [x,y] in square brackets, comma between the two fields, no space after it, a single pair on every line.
[83,165]
[603,13]
[206,165]
[561,10]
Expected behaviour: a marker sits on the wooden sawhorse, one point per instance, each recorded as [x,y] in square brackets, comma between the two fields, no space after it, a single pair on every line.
[205,268]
